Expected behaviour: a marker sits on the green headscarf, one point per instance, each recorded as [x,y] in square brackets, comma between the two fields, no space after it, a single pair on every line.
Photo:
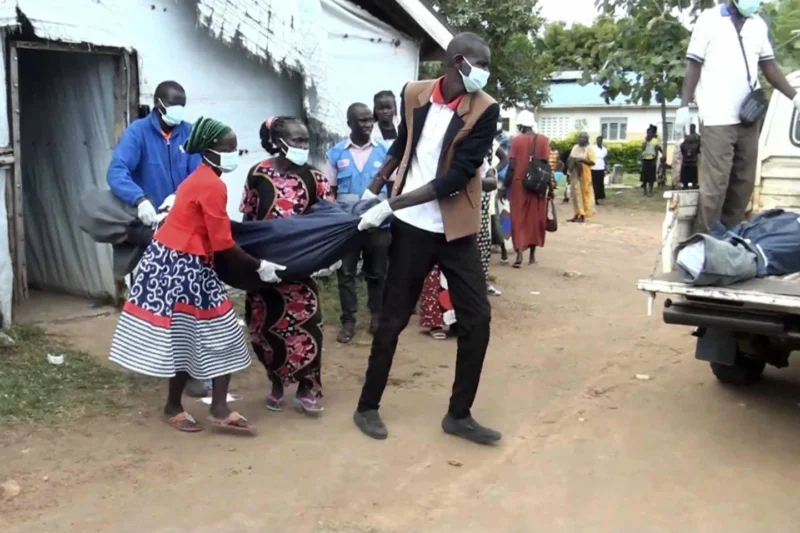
[205,133]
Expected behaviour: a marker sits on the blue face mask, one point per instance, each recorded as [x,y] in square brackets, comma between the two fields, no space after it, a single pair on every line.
[172,115]
[476,80]
[298,156]
[228,161]
[747,8]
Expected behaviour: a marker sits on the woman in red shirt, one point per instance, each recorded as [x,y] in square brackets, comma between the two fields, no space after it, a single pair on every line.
[178,321]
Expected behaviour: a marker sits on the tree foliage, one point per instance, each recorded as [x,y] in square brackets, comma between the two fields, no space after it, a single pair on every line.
[578,46]
[783,17]
[519,69]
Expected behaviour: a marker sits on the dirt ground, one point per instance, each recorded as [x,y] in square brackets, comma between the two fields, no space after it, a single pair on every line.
[587,446]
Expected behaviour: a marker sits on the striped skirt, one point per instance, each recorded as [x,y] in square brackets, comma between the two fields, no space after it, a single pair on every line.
[178,318]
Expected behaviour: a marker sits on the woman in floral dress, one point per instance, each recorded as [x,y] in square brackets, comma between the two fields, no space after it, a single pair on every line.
[285,319]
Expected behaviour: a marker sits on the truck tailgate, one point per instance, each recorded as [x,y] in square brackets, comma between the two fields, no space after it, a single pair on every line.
[772,293]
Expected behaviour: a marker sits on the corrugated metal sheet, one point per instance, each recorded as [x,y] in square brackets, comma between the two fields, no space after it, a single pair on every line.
[287,34]
[76,21]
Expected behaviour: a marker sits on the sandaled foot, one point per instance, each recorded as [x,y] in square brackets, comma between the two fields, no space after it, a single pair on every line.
[183,421]
[310,406]
[233,423]
[438,333]
[274,402]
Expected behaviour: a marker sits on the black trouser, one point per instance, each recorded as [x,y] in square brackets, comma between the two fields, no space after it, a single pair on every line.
[689,174]
[375,252]
[413,253]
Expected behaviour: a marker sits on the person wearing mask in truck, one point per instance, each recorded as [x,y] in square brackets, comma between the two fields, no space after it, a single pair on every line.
[350,168]
[148,165]
[729,43]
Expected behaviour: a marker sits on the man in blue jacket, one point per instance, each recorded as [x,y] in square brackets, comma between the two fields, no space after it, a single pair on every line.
[148,165]
[350,168]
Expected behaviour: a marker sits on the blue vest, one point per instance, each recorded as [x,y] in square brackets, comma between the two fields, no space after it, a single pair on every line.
[351,182]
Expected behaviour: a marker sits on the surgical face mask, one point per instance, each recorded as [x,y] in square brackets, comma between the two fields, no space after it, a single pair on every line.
[747,8]
[476,80]
[298,156]
[172,115]
[228,161]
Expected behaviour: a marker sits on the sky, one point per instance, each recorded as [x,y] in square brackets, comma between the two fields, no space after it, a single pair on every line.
[569,11]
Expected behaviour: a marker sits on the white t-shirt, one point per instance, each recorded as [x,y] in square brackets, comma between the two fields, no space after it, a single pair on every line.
[600,155]
[424,164]
[723,78]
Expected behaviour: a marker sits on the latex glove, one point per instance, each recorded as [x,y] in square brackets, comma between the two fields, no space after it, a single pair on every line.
[369,195]
[147,213]
[168,202]
[683,120]
[796,101]
[268,272]
[325,272]
[375,216]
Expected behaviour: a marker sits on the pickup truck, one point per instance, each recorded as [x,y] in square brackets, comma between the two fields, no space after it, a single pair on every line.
[743,327]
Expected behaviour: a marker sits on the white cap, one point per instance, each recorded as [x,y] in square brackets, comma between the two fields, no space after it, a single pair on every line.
[526,119]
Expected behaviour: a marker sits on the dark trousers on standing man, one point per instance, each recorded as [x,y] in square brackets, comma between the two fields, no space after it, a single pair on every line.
[413,253]
[729,158]
[375,252]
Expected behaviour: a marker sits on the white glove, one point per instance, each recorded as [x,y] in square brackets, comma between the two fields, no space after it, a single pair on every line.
[147,213]
[369,195]
[325,272]
[683,120]
[375,216]
[796,101]
[268,272]
[168,202]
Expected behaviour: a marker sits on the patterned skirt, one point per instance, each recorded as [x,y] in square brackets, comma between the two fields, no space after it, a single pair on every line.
[485,235]
[178,318]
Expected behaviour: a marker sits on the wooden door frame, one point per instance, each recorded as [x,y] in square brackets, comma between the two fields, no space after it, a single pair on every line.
[126,104]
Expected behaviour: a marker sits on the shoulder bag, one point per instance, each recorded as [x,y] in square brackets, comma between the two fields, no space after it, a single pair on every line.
[754,106]
[539,174]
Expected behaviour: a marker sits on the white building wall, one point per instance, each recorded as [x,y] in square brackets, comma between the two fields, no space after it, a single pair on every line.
[6,268]
[589,119]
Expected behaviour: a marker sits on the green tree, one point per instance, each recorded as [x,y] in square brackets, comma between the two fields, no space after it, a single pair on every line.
[520,70]
[783,17]
[579,46]
[647,61]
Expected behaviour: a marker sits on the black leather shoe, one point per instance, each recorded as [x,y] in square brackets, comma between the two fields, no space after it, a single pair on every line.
[370,424]
[467,428]
[346,333]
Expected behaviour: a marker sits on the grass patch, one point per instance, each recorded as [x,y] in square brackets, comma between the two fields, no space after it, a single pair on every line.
[34,391]
[633,198]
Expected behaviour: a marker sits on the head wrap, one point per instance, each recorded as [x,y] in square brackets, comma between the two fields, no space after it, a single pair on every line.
[205,133]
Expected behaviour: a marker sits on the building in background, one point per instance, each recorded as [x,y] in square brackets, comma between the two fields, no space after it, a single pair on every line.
[79,71]
[575,107]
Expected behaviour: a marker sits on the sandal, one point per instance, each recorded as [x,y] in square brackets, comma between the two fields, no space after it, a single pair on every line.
[310,406]
[183,421]
[234,423]
[438,334]
[274,403]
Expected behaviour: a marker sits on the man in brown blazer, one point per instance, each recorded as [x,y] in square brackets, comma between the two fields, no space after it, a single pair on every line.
[446,129]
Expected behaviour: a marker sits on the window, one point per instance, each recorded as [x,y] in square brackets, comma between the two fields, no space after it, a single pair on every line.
[614,129]
[672,135]
[555,127]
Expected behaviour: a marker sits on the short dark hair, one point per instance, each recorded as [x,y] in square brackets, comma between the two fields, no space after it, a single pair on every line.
[384,94]
[693,128]
[353,107]
[270,135]
[165,86]
[463,44]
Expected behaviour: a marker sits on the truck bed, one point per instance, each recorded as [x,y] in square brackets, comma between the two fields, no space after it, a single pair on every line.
[771,293]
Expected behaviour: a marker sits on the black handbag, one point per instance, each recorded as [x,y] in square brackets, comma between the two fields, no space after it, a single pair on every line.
[754,106]
[539,174]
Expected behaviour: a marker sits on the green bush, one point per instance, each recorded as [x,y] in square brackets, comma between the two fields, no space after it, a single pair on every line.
[619,153]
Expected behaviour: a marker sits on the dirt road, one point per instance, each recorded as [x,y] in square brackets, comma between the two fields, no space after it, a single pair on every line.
[587,447]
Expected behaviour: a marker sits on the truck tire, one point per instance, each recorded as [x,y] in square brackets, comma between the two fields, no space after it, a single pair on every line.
[743,372]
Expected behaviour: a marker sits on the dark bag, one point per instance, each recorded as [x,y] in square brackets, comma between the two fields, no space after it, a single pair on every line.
[754,107]
[552,216]
[539,174]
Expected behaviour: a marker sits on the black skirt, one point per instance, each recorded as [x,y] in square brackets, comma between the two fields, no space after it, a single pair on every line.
[648,171]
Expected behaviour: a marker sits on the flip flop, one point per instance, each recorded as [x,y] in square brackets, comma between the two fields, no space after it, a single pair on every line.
[274,403]
[309,406]
[438,334]
[234,423]
[183,422]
